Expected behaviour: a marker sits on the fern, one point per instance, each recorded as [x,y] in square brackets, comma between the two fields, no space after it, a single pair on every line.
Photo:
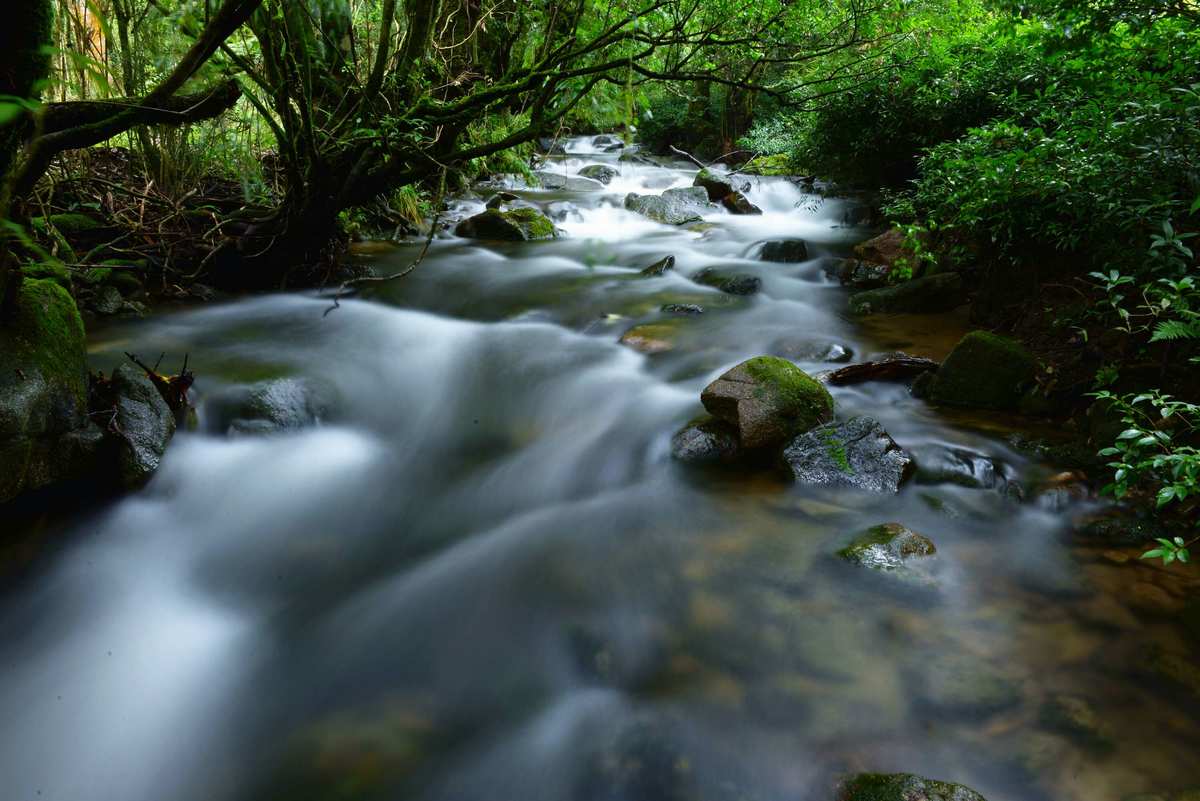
[1170,330]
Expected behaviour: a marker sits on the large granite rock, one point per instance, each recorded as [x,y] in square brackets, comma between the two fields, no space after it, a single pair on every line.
[45,435]
[856,454]
[984,371]
[768,400]
[517,225]
[673,207]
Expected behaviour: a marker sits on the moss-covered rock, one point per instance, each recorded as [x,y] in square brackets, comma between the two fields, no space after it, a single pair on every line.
[902,787]
[717,186]
[70,223]
[857,454]
[984,371]
[929,295]
[887,547]
[516,225]
[43,389]
[768,400]
[57,273]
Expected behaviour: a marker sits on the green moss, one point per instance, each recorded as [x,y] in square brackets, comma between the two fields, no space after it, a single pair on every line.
[535,224]
[869,547]
[97,275]
[802,396]
[57,273]
[48,336]
[984,371]
[837,451]
[69,223]
[902,787]
[778,164]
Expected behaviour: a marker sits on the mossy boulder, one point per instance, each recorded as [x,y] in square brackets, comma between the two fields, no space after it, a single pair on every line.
[901,787]
[515,225]
[717,186]
[43,389]
[857,454]
[930,295]
[72,225]
[984,371]
[768,400]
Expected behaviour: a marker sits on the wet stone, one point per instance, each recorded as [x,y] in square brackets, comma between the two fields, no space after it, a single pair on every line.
[730,283]
[857,454]
[901,787]
[600,172]
[682,308]
[706,440]
[659,267]
[784,250]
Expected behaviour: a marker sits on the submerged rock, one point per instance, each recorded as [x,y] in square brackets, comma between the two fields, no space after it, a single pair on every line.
[659,267]
[43,391]
[268,407]
[682,308]
[807,350]
[573,183]
[517,225]
[901,787]
[786,251]
[984,371]
[856,454]
[768,400]
[893,549]
[1078,719]
[942,464]
[706,440]
[672,207]
[731,283]
[964,685]
[600,172]
[144,425]
[652,337]
[930,295]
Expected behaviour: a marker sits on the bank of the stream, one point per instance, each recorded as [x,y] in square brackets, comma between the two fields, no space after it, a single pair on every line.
[433,543]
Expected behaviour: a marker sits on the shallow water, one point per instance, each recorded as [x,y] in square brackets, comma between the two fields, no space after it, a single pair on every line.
[482,576]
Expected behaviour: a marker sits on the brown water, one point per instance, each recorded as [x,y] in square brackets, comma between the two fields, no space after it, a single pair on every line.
[482,576]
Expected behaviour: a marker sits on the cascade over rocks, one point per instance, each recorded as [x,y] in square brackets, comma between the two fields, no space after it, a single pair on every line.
[984,371]
[768,400]
[673,207]
[516,225]
[857,454]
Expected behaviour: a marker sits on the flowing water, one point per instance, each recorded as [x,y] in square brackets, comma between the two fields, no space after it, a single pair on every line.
[483,576]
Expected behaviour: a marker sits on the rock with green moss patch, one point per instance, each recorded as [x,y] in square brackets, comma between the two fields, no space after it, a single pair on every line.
[516,225]
[768,400]
[717,186]
[984,371]
[69,224]
[43,390]
[857,454]
[887,547]
[48,272]
[901,787]
[929,295]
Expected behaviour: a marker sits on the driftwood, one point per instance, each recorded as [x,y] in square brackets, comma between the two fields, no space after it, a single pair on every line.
[898,367]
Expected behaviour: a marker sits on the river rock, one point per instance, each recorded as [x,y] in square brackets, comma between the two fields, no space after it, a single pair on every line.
[768,400]
[884,249]
[860,275]
[45,436]
[856,454]
[717,186]
[893,367]
[785,251]
[659,267]
[517,225]
[893,549]
[600,172]
[706,440]
[652,338]
[901,787]
[808,350]
[673,207]
[144,425]
[737,203]
[572,183]
[682,308]
[268,407]
[498,200]
[984,371]
[930,295]
[731,283]
[605,140]
[943,464]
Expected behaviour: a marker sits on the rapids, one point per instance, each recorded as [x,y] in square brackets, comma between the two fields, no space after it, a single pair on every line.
[482,575]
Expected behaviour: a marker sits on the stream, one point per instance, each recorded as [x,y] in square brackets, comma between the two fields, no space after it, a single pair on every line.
[482,575]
